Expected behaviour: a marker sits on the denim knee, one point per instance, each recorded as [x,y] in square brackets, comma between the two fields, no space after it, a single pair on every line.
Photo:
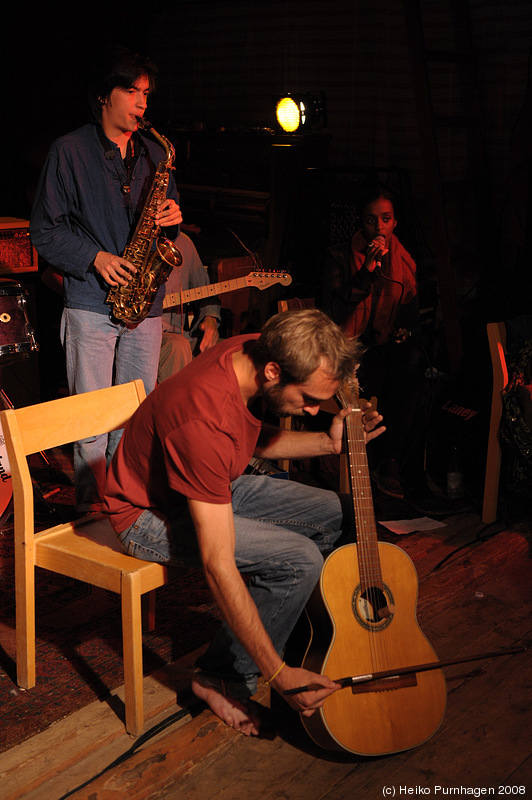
[308,563]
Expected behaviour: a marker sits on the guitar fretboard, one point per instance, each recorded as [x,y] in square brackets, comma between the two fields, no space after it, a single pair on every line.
[366,526]
[257,279]
[202,292]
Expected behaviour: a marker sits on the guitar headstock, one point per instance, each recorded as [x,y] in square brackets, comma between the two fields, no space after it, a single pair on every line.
[347,393]
[262,280]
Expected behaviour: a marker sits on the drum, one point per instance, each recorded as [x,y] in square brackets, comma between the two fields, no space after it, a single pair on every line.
[17,339]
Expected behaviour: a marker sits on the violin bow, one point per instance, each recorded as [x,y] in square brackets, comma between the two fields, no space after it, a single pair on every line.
[392,673]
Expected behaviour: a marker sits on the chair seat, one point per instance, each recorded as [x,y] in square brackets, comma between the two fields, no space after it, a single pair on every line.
[75,549]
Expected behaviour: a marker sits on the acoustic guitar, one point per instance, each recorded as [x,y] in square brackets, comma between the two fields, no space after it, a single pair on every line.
[258,279]
[365,607]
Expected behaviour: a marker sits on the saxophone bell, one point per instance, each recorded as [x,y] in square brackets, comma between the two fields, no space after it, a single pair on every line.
[166,250]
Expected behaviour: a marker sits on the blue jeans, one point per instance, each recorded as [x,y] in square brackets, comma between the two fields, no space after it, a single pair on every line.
[282,530]
[101,353]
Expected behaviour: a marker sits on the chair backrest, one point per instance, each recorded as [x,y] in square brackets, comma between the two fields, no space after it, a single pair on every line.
[46,425]
[497,343]
[34,429]
[294,303]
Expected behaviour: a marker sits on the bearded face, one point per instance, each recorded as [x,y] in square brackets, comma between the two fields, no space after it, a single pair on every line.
[276,402]
[298,399]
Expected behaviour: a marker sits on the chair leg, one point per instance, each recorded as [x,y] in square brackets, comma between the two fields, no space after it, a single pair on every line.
[148,601]
[25,622]
[132,647]
[493,466]
[285,424]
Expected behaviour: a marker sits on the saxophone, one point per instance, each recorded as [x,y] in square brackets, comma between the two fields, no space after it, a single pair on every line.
[132,303]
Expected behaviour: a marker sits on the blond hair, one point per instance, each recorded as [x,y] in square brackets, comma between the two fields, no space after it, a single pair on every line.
[300,341]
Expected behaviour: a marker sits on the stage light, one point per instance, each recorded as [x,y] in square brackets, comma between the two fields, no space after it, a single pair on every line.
[297,112]
[288,115]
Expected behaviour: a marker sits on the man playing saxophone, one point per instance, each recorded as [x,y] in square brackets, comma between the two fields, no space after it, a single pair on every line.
[92,191]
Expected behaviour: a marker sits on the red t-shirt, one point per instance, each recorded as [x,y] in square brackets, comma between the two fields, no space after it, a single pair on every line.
[191,437]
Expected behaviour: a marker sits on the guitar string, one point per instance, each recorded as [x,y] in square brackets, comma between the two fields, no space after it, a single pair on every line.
[352,436]
[366,571]
[374,582]
[229,285]
[369,564]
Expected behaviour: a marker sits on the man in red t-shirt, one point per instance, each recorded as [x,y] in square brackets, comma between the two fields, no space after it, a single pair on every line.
[176,494]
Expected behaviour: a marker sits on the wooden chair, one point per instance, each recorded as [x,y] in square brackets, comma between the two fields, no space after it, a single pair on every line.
[86,549]
[294,303]
[497,344]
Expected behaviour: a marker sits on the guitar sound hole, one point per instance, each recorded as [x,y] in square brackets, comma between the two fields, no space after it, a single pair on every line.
[373,607]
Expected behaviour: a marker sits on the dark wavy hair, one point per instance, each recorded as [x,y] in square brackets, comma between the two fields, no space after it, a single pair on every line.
[115,67]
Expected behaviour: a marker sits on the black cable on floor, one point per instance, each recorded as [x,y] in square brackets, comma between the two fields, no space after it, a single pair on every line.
[193,710]
[478,538]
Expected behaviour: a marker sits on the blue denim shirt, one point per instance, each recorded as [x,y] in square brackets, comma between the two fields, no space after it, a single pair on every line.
[80,209]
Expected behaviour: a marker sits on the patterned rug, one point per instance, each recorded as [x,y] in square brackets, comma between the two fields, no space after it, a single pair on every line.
[79,640]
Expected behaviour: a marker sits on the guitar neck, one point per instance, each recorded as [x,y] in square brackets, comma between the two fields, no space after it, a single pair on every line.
[360,479]
[203,292]
[366,526]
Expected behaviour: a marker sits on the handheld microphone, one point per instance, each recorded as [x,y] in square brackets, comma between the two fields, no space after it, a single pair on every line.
[378,261]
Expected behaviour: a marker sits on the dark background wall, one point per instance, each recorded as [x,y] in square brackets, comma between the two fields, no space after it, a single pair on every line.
[221,63]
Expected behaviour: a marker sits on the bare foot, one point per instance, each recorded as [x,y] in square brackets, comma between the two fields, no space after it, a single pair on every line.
[238,714]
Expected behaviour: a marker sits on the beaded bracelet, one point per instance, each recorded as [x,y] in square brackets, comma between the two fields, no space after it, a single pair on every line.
[276,673]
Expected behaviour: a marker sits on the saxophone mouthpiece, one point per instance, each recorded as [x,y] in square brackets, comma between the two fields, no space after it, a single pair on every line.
[144,124]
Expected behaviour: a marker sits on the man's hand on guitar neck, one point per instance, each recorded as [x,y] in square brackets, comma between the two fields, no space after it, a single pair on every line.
[304,702]
[370,419]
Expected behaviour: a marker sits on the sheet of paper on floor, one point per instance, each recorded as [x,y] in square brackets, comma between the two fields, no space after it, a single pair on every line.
[411,525]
